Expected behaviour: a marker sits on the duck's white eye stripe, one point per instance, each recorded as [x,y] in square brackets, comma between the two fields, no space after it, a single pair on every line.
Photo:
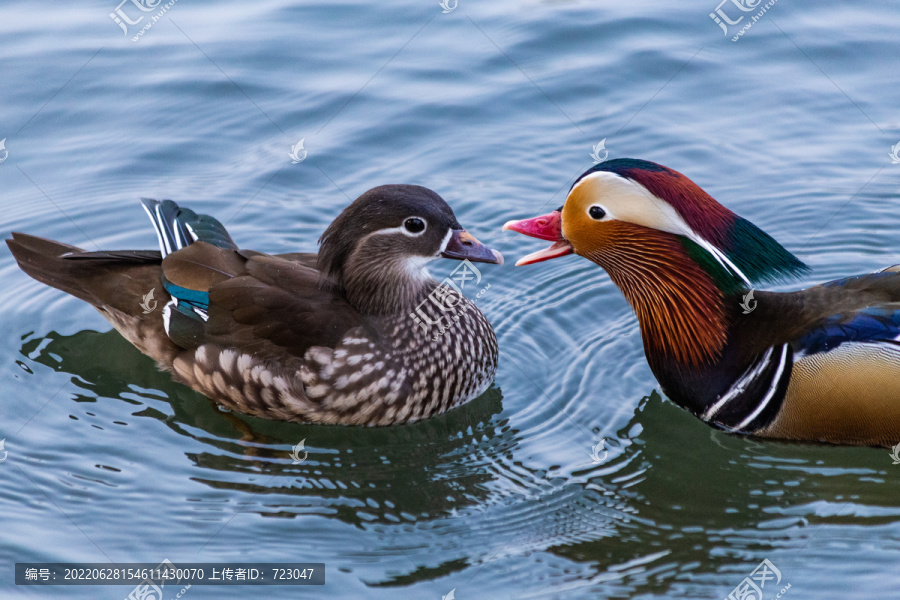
[403,228]
[446,240]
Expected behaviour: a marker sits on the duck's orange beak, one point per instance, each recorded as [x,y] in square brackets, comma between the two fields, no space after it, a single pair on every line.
[546,227]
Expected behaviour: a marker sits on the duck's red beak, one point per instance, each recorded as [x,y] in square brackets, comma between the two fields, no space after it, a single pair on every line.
[546,227]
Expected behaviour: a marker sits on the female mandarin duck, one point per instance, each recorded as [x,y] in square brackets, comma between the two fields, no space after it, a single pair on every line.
[325,338]
[821,364]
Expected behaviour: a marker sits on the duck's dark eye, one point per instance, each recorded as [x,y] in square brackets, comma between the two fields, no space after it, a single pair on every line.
[414,225]
[596,212]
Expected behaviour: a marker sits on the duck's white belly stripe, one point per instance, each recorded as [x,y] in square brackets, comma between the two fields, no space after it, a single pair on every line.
[771,391]
[739,386]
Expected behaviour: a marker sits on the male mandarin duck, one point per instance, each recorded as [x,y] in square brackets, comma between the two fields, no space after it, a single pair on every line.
[820,364]
[327,338]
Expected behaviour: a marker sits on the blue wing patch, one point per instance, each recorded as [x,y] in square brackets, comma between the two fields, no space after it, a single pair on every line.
[185,315]
[190,303]
[866,325]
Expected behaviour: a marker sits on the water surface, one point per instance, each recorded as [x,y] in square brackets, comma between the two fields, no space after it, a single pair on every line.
[495,105]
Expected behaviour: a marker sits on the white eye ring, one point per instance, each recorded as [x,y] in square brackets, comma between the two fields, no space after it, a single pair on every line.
[411,226]
[597,212]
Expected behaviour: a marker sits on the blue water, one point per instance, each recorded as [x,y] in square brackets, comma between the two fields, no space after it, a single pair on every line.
[495,105]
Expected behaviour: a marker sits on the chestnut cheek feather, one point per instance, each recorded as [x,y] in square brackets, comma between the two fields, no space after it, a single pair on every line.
[679,308]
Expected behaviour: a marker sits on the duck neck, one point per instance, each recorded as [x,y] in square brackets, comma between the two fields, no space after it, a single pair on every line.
[680,308]
[387,286]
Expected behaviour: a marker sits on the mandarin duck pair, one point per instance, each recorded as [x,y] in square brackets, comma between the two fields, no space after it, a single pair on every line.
[348,335]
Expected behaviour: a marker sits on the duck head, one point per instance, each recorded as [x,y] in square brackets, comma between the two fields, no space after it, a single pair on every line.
[378,248]
[677,254]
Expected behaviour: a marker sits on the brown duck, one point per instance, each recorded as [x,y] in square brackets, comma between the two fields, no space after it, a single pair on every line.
[360,334]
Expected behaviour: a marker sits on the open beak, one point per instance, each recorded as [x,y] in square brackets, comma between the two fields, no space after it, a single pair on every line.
[464,246]
[546,227]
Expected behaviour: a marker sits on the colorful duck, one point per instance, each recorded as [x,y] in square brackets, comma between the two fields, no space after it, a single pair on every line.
[820,364]
[348,336]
